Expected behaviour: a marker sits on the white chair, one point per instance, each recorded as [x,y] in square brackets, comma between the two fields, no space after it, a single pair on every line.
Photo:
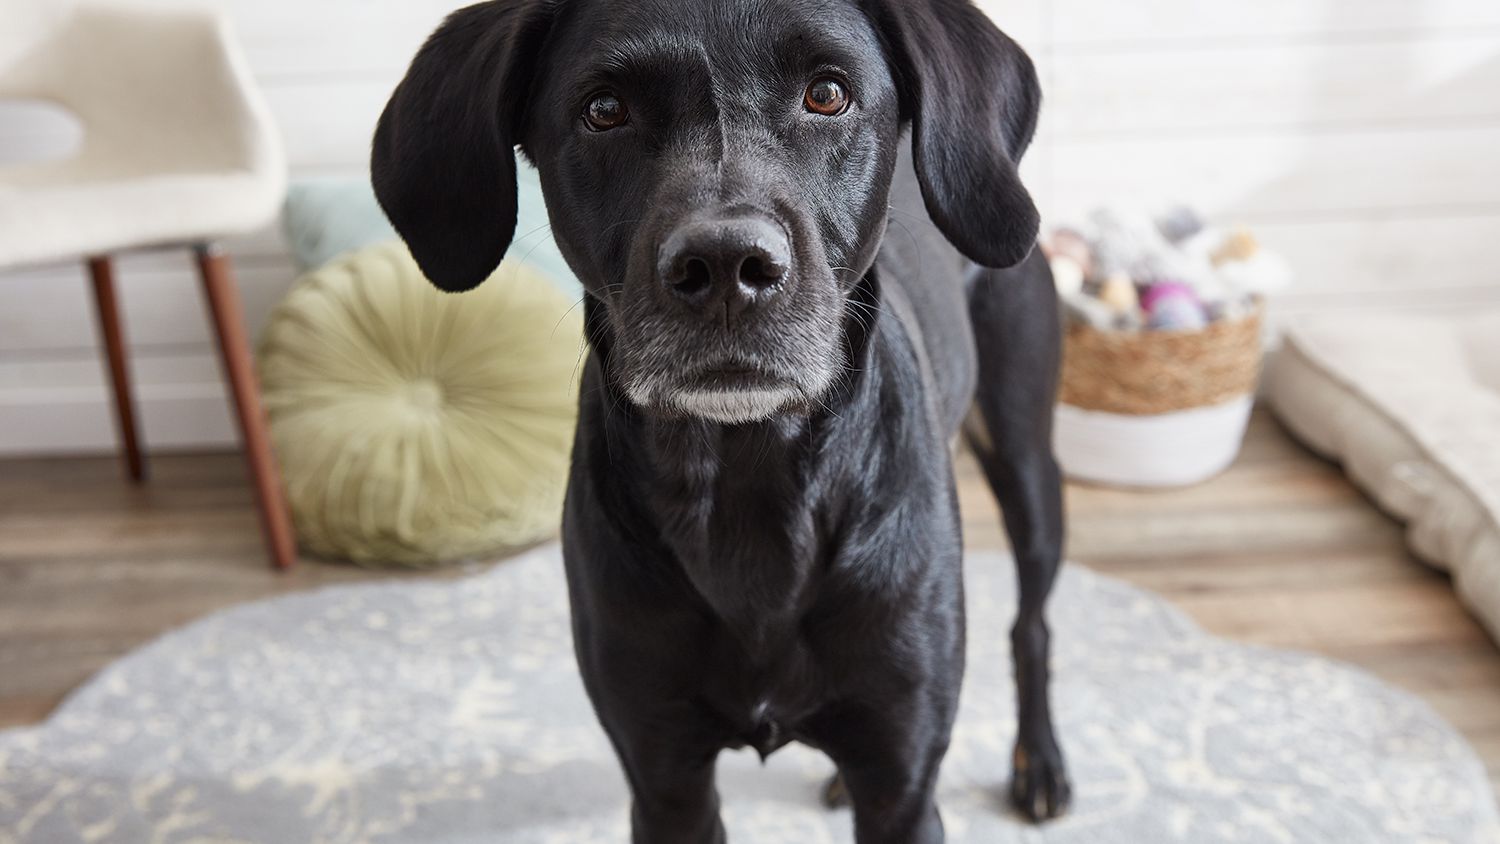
[179,150]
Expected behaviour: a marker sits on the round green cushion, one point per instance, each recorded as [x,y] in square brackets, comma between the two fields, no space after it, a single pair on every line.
[416,427]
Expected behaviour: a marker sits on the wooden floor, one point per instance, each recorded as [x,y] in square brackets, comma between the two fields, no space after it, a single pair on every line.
[1280,551]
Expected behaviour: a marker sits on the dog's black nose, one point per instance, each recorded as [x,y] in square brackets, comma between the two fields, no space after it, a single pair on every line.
[733,263]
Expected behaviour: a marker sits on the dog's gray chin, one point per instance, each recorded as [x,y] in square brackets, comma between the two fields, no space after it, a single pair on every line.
[729,404]
[734,406]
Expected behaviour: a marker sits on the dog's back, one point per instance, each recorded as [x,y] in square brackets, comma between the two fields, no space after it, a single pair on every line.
[924,283]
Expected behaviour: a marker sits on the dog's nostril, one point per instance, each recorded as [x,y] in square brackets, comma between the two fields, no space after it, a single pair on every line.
[759,272]
[694,277]
[723,265]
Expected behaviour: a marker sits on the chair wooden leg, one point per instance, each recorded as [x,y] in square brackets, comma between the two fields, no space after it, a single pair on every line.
[234,347]
[112,330]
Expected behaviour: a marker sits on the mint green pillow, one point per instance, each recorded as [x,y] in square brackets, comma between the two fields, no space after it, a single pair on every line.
[324,218]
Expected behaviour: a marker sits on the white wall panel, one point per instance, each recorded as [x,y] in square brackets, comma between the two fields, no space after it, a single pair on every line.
[1358,136]
[1110,24]
[1446,80]
[1360,260]
[328,122]
[1268,175]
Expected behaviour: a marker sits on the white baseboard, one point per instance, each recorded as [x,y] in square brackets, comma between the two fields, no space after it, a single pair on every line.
[80,420]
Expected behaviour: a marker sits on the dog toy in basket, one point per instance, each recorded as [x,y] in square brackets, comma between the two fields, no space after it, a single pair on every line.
[1163,346]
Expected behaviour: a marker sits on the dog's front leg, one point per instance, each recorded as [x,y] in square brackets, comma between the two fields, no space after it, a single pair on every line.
[670,767]
[888,764]
[893,807]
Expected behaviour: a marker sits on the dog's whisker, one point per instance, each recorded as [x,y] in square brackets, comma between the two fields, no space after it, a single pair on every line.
[611,227]
[566,314]
[915,245]
[576,383]
[824,405]
[545,227]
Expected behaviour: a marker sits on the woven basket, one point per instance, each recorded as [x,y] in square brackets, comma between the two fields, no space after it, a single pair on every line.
[1156,408]
[1140,373]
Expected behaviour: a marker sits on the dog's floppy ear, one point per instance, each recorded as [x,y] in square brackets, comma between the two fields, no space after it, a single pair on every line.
[443,162]
[971,95]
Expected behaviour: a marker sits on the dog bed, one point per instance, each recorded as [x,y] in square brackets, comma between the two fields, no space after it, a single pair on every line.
[1411,407]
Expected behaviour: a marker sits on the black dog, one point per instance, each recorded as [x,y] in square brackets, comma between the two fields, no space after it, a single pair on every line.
[762,533]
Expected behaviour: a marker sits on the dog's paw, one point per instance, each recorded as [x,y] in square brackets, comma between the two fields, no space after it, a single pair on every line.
[1039,788]
[835,793]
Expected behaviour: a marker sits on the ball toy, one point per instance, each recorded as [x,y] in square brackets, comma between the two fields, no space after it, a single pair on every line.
[1074,245]
[1239,245]
[1119,292]
[1173,306]
[1067,275]
[415,427]
[1091,312]
[1121,240]
[1179,223]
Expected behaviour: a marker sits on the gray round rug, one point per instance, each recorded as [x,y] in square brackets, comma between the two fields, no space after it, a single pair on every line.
[450,711]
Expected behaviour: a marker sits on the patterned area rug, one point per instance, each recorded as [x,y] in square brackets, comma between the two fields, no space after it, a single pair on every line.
[451,712]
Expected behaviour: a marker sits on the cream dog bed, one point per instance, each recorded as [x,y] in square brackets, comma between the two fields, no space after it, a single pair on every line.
[1411,407]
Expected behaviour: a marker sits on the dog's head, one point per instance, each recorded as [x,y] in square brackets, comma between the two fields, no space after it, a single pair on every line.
[717,171]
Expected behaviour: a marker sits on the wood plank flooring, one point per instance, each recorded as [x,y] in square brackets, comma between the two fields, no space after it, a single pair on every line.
[1280,551]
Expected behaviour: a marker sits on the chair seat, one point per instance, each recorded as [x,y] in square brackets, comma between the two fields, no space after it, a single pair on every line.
[178,144]
[46,222]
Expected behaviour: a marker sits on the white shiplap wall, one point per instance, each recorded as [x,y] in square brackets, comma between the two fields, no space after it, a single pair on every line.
[1357,136]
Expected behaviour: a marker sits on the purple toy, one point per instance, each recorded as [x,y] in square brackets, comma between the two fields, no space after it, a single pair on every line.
[1173,306]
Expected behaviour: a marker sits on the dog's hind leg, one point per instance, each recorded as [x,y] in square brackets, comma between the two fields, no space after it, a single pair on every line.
[1018,339]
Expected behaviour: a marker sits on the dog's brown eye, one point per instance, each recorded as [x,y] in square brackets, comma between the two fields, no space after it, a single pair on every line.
[605,112]
[827,96]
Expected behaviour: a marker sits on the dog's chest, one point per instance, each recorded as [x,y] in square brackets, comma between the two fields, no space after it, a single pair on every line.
[752,558]
[738,515]
[754,564]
